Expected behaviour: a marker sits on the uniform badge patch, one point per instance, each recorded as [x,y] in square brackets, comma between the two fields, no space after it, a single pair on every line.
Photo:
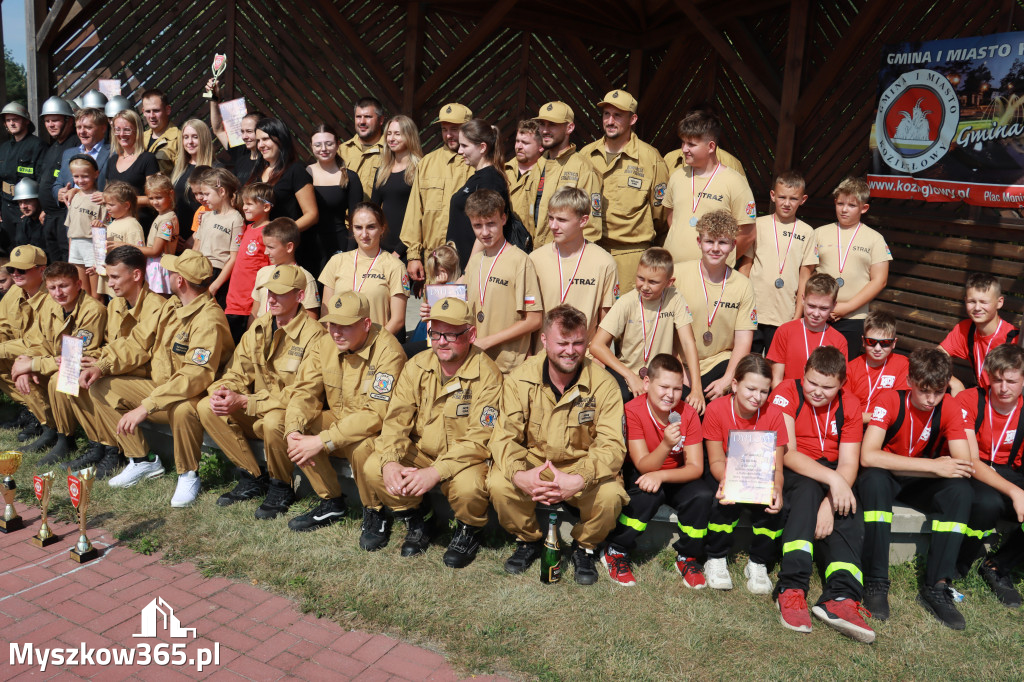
[888,381]
[462,410]
[179,348]
[382,382]
[444,306]
[878,414]
[405,284]
[488,417]
[751,210]
[635,183]
[753,315]
[238,239]
[780,401]
[277,273]
[337,304]
[85,335]
[659,194]
[586,416]
[251,248]
[595,203]
[615,291]
[200,356]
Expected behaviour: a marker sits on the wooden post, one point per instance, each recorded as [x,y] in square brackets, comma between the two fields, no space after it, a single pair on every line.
[786,141]
[413,40]
[636,67]
[229,50]
[524,74]
[37,64]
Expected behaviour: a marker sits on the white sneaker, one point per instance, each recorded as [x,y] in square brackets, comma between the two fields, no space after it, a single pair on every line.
[187,490]
[758,581]
[717,574]
[137,470]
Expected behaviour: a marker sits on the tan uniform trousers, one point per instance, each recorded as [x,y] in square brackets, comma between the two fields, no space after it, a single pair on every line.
[116,395]
[466,491]
[35,400]
[232,434]
[627,259]
[322,476]
[70,411]
[599,505]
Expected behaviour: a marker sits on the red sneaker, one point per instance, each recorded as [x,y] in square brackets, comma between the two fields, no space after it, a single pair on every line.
[793,613]
[693,576]
[618,568]
[847,617]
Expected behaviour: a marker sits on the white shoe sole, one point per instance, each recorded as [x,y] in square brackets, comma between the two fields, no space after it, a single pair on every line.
[153,474]
[754,586]
[844,627]
[688,585]
[608,573]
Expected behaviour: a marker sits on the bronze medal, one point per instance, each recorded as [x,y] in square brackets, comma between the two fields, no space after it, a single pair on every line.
[643,372]
[480,316]
[708,338]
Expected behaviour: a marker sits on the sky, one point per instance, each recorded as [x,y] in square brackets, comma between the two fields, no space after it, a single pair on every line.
[14,29]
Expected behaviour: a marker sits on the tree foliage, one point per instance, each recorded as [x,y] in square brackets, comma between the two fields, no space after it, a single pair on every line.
[17,88]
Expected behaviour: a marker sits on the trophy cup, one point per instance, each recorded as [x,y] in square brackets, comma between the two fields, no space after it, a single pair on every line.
[220,65]
[42,484]
[9,463]
[79,485]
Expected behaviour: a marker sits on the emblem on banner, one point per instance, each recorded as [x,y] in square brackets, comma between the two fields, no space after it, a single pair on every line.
[917,120]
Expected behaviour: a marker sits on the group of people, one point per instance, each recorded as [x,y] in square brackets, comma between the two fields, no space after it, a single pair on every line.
[540,377]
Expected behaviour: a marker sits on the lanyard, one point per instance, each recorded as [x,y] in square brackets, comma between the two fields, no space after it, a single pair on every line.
[558,259]
[355,269]
[839,245]
[694,197]
[707,304]
[782,259]
[828,418]
[647,347]
[980,357]
[821,340]
[910,413]
[732,409]
[992,429]
[481,284]
[661,429]
[873,387]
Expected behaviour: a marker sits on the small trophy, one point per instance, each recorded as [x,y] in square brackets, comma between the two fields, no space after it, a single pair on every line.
[42,484]
[219,66]
[79,485]
[9,463]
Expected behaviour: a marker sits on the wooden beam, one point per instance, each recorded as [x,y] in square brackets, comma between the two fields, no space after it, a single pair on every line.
[462,52]
[661,83]
[413,41]
[730,56]
[636,68]
[229,48]
[523,74]
[585,61]
[797,36]
[37,69]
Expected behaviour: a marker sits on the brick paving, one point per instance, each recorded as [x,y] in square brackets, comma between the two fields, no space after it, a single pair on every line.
[50,602]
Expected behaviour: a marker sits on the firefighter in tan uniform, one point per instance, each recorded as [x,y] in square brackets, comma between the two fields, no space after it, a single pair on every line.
[559,439]
[248,401]
[19,309]
[437,430]
[633,178]
[337,405]
[522,180]
[438,176]
[184,347]
[562,165]
[363,153]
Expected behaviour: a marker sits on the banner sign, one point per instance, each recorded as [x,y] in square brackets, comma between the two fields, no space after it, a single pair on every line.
[949,125]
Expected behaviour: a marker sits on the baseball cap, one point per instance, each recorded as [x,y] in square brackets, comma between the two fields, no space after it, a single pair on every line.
[620,99]
[451,310]
[347,308]
[286,278]
[26,256]
[191,265]
[556,112]
[455,113]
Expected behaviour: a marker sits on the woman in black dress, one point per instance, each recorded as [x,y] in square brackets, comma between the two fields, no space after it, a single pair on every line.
[196,150]
[338,191]
[391,190]
[130,162]
[481,150]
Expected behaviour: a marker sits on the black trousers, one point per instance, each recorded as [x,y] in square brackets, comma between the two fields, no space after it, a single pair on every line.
[714,374]
[691,501]
[990,506]
[840,551]
[763,338]
[724,518]
[853,332]
[948,498]
[56,236]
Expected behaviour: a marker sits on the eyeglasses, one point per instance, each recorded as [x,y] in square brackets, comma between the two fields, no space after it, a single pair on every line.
[16,271]
[884,343]
[449,337]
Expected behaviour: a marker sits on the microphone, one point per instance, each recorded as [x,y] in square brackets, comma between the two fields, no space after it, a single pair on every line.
[674,418]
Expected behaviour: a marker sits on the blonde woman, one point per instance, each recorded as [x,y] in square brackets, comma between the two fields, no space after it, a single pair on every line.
[130,162]
[393,185]
[196,150]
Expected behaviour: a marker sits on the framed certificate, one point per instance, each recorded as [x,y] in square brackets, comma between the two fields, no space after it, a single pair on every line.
[750,467]
[435,292]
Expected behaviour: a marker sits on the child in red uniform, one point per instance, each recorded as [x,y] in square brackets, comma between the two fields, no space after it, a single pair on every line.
[823,422]
[747,409]
[879,369]
[793,341]
[257,201]
[915,450]
[665,464]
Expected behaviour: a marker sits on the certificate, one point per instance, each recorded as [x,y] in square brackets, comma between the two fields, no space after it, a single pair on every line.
[111,87]
[232,112]
[99,249]
[750,467]
[435,292]
[70,364]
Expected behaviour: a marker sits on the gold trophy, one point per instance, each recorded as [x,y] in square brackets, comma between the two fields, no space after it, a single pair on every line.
[219,66]
[42,484]
[79,485]
[9,463]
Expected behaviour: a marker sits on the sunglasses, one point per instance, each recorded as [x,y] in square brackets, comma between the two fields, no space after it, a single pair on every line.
[884,343]
[17,271]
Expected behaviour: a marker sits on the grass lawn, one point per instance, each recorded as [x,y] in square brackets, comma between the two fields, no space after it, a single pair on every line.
[488,622]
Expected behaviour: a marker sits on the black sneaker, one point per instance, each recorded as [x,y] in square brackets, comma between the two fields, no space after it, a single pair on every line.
[876,599]
[1002,585]
[61,450]
[376,530]
[92,455]
[247,488]
[938,600]
[417,537]
[463,547]
[327,512]
[111,461]
[280,496]
[524,556]
[30,428]
[17,420]
[47,438]
[583,565]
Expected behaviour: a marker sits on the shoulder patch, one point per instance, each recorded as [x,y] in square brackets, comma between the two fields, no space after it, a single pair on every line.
[238,239]
[406,287]
[751,210]
[595,204]
[964,413]
[382,383]
[488,417]
[753,315]
[780,401]
[659,194]
[85,335]
[615,291]
[200,356]
[878,414]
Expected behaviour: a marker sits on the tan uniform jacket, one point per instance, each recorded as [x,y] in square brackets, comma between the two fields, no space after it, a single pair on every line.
[449,422]
[122,319]
[363,162]
[522,192]
[357,387]
[18,313]
[185,346]
[266,360]
[632,187]
[439,175]
[581,433]
[573,169]
[166,147]
[87,321]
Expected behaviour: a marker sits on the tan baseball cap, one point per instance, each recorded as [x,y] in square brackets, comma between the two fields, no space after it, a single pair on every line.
[286,278]
[455,113]
[620,99]
[451,310]
[347,308]
[192,265]
[556,112]
[26,256]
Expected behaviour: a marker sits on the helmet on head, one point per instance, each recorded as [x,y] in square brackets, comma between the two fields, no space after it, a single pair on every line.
[115,105]
[55,106]
[16,108]
[26,189]
[94,99]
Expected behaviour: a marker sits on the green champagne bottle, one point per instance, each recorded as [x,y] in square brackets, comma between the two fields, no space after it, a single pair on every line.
[551,557]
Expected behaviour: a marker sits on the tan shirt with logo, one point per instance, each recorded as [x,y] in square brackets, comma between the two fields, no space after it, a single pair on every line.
[385,279]
[630,317]
[867,249]
[592,286]
[735,313]
[777,306]
[727,190]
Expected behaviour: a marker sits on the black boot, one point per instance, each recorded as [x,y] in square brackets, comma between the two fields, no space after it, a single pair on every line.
[111,461]
[280,496]
[47,438]
[463,547]
[17,420]
[61,450]
[30,428]
[376,530]
[93,454]
[418,525]
[247,488]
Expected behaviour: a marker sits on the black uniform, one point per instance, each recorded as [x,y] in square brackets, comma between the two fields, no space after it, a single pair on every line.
[54,229]
[18,160]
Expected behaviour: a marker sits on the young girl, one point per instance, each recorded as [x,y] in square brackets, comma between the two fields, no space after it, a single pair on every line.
[377,273]
[745,410]
[186,239]
[441,267]
[257,200]
[220,230]
[163,234]
[123,229]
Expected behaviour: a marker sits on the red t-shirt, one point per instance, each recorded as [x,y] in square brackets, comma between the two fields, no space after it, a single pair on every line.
[815,426]
[641,424]
[955,344]
[994,426]
[916,424]
[251,257]
[720,418]
[868,383]
[793,343]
